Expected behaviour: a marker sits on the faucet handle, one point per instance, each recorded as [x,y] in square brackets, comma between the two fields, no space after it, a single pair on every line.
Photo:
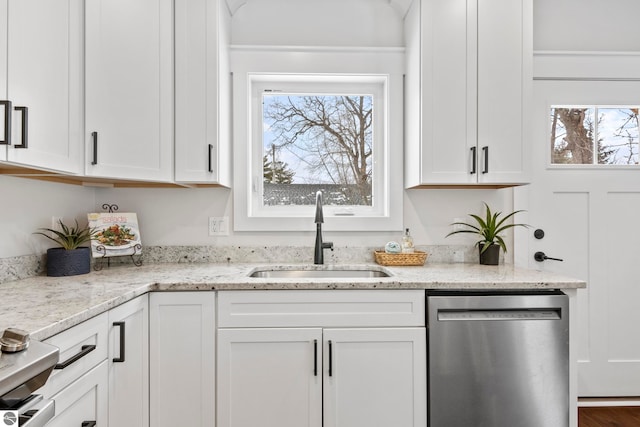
[327,245]
[319,215]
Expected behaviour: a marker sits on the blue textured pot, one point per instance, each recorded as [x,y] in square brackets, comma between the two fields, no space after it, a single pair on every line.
[61,262]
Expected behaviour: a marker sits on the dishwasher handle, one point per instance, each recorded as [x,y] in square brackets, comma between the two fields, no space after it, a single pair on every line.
[446,315]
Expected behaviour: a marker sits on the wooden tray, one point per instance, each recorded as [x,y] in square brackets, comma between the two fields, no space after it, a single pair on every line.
[416,258]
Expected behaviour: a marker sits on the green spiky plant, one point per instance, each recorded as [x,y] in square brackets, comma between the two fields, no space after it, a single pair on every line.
[489,228]
[68,238]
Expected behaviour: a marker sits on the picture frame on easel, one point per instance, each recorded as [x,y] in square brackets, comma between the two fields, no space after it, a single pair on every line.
[116,234]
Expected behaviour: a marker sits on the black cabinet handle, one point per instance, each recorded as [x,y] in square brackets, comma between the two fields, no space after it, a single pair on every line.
[8,108]
[485,150]
[84,350]
[120,359]
[88,424]
[330,359]
[210,164]
[25,127]
[474,160]
[94,135]
[541,256]
[315,358]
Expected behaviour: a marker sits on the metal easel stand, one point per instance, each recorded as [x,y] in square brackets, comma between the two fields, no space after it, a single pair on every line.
[137,252]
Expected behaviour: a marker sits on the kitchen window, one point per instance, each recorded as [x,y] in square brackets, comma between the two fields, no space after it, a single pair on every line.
[296,133]
[594,135]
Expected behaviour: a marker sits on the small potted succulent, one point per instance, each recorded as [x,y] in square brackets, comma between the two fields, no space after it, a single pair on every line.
[70,258]
[489,229]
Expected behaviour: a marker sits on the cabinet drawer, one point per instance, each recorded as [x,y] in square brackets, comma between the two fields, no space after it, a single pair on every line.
[344,308]
[83,401]
[76,352]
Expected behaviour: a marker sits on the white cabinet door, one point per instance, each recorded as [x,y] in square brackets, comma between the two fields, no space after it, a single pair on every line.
[274,377]
[84,402]
[375,377]
[505,55]
[129,89]
[129,364]
[270,377]
[3,79]
[467,88]
[440,94]
[182,359]
[203,96]
[44,83]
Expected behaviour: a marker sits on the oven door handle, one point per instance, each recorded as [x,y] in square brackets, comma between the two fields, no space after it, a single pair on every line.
[39,415]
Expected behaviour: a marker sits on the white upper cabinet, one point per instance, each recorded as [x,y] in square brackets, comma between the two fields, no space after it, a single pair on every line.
[467,90]
[41,75]
[129,89]
[203,92]
[3,82]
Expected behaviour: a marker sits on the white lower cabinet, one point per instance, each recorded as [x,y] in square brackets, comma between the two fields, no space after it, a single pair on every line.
[79,382]
[377,377]
[83,403]
[182,359]
[129,364]
[103,373]
[82,348]
[270,377]
[273,372]
[284,359]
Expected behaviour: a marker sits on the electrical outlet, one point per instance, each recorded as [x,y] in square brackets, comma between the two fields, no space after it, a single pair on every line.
[218,226]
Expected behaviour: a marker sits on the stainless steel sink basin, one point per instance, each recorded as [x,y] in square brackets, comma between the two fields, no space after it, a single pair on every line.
[319,273]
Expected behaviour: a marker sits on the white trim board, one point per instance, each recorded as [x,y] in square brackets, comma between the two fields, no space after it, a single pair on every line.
[592,402]
[607,66]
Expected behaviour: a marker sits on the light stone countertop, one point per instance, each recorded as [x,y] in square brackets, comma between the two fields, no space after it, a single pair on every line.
[45,306]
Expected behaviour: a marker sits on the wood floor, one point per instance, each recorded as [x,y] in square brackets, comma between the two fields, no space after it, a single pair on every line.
[610,416]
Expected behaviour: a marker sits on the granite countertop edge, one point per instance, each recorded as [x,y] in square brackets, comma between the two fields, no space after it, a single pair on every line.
[46,306]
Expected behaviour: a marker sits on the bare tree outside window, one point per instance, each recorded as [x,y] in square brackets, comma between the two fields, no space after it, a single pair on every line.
[323,142]
[609,132]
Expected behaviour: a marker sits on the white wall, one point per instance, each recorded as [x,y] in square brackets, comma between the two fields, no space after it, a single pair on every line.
[179,216]
[370,23]
[586,25]
[26,205]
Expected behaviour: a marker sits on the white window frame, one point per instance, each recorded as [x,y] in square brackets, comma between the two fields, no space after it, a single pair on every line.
[375,71]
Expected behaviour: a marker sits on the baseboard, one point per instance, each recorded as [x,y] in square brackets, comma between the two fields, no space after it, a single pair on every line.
[584,402]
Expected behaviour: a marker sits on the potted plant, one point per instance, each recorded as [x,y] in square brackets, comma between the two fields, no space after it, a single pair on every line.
[489,229]
[70,258]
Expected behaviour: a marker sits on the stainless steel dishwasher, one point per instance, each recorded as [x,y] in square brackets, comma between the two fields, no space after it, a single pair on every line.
[498,359]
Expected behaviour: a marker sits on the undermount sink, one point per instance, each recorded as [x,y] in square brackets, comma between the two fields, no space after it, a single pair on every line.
[318,273]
